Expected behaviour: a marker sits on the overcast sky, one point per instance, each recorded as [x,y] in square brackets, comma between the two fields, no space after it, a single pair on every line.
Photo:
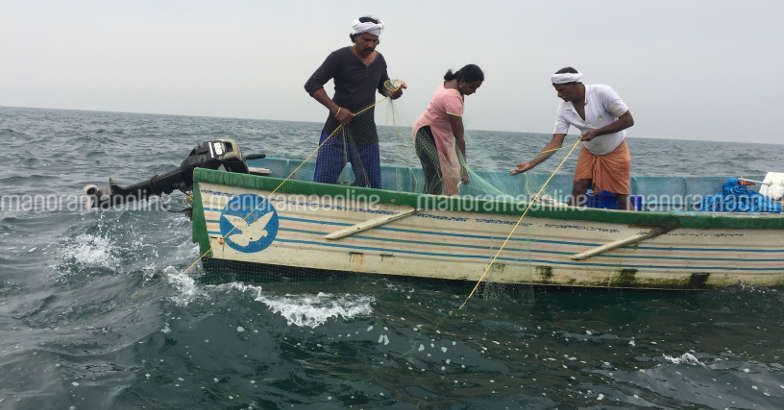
[687,69]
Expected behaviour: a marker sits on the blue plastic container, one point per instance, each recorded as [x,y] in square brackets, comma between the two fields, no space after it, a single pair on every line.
[608,200]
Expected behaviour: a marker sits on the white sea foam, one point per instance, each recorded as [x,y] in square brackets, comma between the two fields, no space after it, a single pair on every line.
[314,310]
[686,358]
[90,251]
[307,310]
[242,287]
[187,289]
[148,272]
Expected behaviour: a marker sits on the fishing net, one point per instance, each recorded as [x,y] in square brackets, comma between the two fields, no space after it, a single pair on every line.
[419,154]
[423,154]
[222,271]
[342,148]
[354,154]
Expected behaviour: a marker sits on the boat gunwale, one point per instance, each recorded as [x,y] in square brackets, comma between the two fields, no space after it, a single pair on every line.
[488,206]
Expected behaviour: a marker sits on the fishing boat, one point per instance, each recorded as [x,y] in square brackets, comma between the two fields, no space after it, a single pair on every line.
[280,221]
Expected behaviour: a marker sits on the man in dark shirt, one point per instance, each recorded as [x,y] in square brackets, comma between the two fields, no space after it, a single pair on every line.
[358,72]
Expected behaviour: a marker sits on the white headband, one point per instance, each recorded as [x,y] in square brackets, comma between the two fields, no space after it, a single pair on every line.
[367,27]
[565,78]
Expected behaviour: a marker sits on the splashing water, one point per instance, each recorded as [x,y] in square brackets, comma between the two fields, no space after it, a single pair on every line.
[90,251]
[314,310]
[187,289]
[686,358]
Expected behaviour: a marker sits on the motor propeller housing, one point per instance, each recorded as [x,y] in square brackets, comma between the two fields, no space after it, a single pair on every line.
[214,154]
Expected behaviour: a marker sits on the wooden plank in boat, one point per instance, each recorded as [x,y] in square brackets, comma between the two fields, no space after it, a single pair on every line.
[369,224]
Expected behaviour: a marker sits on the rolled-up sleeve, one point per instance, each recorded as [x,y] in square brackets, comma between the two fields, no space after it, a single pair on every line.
[324,73]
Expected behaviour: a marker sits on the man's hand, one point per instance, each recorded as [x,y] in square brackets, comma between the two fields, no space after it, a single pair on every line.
[522,167]
[343,115]
[399,92]
[589,134]
[464,178]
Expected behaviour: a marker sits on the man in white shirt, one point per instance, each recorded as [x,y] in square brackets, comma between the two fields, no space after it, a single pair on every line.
[604,163]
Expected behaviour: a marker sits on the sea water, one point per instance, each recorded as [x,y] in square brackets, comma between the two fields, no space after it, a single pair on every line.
[97,312]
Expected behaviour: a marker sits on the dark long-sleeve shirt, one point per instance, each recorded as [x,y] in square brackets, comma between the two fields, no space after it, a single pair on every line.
[355,88]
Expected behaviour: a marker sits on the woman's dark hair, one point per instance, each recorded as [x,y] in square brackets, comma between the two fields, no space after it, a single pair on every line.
[468,73]
[363,19]
[567,70]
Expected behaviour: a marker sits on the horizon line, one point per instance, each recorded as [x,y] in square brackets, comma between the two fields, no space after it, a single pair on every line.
[316,122]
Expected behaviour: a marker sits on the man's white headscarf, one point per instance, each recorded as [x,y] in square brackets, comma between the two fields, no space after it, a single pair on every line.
[367,27]
[565,78]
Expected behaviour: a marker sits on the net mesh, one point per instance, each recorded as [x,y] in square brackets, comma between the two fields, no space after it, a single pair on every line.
[470,182]
[421,153]
[222,271]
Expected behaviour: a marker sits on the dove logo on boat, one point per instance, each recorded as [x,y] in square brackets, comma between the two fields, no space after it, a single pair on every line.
[249,223]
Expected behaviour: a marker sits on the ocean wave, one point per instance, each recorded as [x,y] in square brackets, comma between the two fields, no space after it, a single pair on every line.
[314,310]
[185,285]
[686,358]
[90,251]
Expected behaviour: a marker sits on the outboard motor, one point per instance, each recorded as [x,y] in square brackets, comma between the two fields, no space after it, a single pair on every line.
[215,154]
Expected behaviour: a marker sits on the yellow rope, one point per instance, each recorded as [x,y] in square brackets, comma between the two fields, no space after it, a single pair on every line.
[550,150]
[314,152]
[519,220]
[197,260]
[509,236]
[391,86]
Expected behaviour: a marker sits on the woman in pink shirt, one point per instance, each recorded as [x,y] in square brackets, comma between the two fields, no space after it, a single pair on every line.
[439,126]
